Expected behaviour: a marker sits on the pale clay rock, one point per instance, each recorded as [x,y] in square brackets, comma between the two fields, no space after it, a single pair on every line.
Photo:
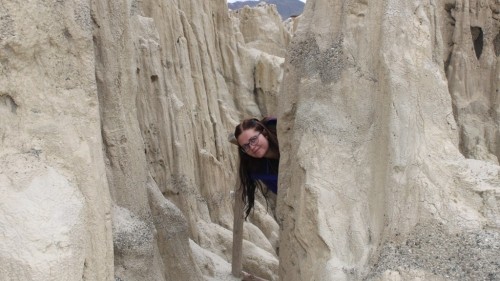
[88,88]
[53,178]
[115,164]
[261,28]
[40,203]
[373,155]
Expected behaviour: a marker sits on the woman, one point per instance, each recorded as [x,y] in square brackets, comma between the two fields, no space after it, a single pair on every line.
[259,157]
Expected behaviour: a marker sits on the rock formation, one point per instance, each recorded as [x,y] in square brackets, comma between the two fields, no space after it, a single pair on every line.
[55,214]
[286,8]
[166,89]
[115,159]
[270,37]
[471,42]
[375,186]
[115,164]
[266,39]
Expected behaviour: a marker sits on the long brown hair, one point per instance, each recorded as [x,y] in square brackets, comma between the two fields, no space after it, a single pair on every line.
[248,164]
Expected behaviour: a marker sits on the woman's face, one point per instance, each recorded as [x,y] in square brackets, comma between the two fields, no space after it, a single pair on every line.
[254,143]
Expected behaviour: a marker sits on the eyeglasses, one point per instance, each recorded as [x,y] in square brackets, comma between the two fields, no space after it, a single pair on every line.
[251,142]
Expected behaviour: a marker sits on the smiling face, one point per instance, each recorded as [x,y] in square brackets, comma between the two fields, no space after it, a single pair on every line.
[255,141]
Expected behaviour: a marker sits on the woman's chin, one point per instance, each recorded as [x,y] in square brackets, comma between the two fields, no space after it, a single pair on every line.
[257,154]
[260,154]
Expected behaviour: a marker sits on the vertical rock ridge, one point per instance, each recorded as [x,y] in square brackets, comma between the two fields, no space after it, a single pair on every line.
[372,145]
[472,76]
[55,199]
[166,111]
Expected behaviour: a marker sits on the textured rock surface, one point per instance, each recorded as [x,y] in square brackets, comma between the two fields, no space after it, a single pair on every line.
[375,185]
[471,43]
[114,121]
[266,39]
[262,29]
[164,85]
[114,163]
[55,221]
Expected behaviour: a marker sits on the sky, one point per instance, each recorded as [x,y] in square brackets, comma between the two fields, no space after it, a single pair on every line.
[232,1]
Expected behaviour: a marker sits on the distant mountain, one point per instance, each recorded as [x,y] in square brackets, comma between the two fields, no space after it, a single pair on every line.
[286,8]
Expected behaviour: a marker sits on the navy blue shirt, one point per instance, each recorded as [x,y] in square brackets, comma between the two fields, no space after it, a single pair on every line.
[268,176]
[268,172]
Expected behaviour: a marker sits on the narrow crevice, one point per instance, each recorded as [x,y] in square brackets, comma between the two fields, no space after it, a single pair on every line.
[477,39]
[496,44]
[8,102]
[85,267]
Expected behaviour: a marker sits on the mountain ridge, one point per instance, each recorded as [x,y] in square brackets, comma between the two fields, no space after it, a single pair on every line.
[286,8]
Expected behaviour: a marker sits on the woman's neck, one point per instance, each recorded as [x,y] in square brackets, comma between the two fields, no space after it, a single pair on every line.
[272,154]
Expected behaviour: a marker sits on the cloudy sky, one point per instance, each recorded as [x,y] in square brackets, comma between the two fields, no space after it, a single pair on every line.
[232,1]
